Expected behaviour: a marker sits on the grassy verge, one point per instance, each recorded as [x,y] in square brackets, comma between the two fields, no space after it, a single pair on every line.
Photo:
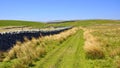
[102,45]
[25,54]
[70,54]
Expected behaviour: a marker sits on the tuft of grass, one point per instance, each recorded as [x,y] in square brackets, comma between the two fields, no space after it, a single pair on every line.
[94,52]
[109,40]
[114,52]
[25,52]
[118,63]
[92,46]
[2,56]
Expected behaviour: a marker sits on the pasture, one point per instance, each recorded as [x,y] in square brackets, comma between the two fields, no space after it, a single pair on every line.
[89,44]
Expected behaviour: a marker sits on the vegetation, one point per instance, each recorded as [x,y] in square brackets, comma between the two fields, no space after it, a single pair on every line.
[91,44]
[4,23]
[65,56]
[69,23]
[108,40]
[24,54]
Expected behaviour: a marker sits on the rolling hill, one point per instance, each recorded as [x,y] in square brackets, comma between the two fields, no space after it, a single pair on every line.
[90,44]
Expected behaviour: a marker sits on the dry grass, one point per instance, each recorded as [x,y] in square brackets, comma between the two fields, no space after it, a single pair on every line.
[118,63]
[62,36]
[92,46]
[2,55]
[107,39]
[111,35]
[25,52]
[30,50]
[114,52]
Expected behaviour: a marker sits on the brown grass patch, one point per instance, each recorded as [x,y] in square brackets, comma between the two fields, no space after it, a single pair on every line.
[114,52]
[92,46]
[27,49]
[62,36]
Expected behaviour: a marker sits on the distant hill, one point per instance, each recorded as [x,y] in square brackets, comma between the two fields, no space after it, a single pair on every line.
[56,23]
[20,23]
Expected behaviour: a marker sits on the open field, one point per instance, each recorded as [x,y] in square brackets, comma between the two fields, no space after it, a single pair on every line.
[104,42]
[4,23]
[90,44]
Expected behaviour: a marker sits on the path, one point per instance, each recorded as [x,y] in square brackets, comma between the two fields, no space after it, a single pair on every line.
[70,54]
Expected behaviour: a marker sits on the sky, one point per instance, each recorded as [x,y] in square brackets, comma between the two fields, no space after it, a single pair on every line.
[54,10]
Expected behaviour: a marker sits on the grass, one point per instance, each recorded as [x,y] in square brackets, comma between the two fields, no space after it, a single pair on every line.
[108,37]
[25,54]
[69,23]
[4,23]
[67,55]
[94,45]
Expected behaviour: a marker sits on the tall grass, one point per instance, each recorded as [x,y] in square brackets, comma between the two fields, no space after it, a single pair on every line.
[92,46]
[109,37]
[61,36]
[25,54]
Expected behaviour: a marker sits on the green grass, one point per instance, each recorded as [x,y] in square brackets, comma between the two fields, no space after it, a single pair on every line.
[109,39]
[4,23]
[70,53]
[42,24]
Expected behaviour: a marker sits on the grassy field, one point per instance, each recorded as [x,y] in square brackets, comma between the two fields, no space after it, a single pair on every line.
[65,56]
[91,44]
[78,23]
[4,23]
[106,43]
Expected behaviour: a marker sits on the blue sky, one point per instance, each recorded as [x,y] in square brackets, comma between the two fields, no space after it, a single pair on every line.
[49,10]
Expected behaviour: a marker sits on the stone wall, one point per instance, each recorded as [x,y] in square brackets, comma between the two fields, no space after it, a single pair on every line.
[8,39]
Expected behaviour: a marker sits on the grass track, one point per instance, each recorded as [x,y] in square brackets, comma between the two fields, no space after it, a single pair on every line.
[70,54]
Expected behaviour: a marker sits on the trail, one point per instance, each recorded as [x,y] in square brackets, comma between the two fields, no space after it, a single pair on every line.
[69,54]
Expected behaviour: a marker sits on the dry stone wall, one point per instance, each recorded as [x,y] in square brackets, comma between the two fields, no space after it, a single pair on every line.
[8,39]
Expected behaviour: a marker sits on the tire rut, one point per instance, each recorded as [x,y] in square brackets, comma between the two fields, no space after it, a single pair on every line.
[56,54]
[69,55]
